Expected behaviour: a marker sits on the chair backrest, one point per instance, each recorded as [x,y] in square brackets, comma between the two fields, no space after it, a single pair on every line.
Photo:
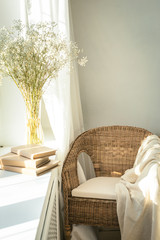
[112,149]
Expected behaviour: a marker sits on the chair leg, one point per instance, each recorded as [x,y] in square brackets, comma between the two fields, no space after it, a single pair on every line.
[68,232]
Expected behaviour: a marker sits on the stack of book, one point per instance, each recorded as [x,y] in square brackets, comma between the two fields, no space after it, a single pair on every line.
[32,159]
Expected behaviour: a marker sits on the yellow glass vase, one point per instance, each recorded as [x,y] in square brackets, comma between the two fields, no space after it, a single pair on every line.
[34,128]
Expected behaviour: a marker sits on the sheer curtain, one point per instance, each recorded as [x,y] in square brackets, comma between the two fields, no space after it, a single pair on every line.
[62,98]
[65,117]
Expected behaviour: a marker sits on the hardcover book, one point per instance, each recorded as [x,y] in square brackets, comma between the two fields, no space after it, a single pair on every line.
[33,151]
[12,159]
[34,172]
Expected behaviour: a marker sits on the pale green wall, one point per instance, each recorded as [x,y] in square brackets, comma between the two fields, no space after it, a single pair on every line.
[121,82]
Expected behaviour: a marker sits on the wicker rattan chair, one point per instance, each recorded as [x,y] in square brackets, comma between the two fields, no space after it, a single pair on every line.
[112,149]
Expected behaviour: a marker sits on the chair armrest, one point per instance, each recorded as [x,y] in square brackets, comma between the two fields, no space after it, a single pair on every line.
[69,179]
[69,170]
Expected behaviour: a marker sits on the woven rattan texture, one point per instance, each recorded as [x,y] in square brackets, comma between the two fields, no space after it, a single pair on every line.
[97,212]
[112,150]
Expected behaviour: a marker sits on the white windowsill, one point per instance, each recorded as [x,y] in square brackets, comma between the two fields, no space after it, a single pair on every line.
[22,202]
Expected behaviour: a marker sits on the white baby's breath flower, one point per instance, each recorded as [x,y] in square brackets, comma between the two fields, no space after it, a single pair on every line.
[82,62]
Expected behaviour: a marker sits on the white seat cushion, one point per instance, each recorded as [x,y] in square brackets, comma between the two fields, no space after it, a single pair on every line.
[98,187]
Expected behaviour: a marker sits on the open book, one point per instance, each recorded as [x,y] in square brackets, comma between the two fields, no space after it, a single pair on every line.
[29,171]
[12,159]
[33,151]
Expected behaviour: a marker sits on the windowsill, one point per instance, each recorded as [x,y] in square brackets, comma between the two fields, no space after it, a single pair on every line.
[23,203]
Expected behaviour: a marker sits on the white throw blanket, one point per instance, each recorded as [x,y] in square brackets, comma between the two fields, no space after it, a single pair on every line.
[138,194]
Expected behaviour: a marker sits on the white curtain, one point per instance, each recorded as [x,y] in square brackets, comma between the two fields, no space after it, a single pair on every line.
[65,117]
[62,98]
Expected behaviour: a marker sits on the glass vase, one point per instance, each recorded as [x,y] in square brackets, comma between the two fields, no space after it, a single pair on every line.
[34,128]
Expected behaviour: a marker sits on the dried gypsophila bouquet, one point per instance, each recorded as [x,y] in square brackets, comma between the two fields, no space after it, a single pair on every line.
[33,56]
